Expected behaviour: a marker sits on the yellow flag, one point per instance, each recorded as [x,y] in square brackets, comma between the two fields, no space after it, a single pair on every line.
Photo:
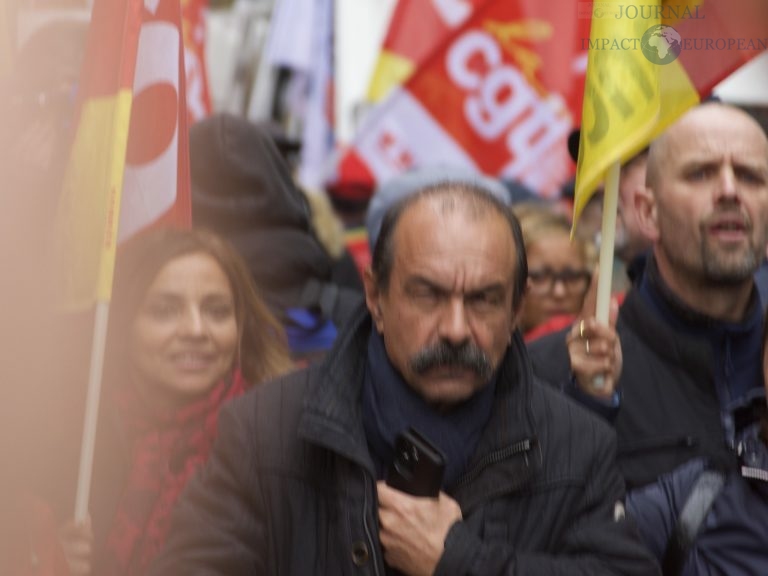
[635,87]
[90,204]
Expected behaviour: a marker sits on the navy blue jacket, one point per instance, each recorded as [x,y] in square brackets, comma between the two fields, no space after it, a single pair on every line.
[682,372]
[733,538]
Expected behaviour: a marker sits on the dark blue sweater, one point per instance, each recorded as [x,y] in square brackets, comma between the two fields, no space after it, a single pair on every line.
[733,538]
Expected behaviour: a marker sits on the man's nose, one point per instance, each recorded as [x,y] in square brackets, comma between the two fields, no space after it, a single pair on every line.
[727,186]
[454,324]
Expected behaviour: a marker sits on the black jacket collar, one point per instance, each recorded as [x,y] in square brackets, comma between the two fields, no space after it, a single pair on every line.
[685,338]
[656,289]
[332,416]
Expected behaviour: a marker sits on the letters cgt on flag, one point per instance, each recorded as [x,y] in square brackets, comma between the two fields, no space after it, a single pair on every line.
[491,99]
[416,28]
[128,167]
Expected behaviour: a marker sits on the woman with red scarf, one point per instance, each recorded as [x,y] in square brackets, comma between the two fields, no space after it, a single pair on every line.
[188,332]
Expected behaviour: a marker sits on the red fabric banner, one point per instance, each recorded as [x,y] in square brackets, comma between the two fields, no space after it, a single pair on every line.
[157,181]
[193,34]
[130,160]
[493,98]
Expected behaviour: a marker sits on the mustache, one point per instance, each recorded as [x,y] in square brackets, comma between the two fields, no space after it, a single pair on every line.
[729,211]
[445,355]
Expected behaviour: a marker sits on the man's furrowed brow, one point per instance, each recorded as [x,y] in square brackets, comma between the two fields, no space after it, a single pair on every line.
[419,281]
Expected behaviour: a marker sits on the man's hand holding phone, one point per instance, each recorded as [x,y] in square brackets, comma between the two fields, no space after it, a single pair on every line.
[414,515]
[417,467]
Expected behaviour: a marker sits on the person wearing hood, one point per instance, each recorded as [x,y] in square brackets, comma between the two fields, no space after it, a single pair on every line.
[242,188]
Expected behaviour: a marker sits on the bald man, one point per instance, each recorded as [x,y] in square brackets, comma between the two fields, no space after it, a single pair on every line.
[691,332]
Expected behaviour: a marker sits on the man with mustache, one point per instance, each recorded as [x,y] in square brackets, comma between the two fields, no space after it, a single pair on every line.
[297,480]
[690,330]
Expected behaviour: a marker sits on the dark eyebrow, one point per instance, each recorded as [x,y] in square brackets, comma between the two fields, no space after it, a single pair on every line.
[753,168]
[698,164]
[217,296]
[497,287]
[160,296]
[418,280]
[173,297]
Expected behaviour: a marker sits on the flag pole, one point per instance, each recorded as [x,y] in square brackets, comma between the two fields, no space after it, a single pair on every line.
[607,242]
[88,444]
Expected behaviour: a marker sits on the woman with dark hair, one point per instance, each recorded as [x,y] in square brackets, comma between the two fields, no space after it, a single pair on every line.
[187,333]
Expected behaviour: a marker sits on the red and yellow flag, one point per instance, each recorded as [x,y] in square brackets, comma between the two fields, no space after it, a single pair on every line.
[648,63]
[491,98]
[128,166]
[415,29]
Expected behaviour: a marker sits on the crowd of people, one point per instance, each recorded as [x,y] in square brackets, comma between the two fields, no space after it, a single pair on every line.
[257,384]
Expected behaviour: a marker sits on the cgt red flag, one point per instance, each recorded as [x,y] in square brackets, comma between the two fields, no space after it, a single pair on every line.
[129,162]
[493,98]
[416,28]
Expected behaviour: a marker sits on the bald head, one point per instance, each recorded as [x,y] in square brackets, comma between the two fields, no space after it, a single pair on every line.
[711,118]
[706,208]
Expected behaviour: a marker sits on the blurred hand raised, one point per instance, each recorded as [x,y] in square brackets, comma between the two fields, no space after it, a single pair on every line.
[594,349]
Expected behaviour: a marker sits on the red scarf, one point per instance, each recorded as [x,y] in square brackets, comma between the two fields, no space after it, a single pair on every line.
[167,448]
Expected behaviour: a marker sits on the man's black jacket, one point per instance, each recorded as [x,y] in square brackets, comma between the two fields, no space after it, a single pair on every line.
[669,411]
[290,487]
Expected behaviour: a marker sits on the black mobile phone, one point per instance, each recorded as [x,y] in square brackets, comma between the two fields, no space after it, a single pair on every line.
[418,466]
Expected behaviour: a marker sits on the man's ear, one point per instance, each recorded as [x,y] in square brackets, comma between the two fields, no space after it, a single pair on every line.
[646,208]
[373,298]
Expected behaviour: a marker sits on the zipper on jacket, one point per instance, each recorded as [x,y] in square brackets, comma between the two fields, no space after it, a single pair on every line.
[367,528]
[522,447]
[653,444]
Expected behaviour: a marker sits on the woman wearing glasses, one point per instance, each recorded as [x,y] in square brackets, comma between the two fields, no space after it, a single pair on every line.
[559,270]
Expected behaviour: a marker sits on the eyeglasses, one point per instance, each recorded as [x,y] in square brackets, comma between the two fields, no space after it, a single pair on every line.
[543,281]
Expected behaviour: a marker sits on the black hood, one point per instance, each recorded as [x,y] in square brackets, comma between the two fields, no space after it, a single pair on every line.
[242,189]
[239,179]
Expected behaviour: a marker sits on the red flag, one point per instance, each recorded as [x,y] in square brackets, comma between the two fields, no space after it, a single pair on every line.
[415,29]
[157,181]
[193,28]
[493,98]
[129,162]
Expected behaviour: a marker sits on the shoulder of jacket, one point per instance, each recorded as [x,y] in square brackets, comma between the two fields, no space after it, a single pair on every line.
[275,398]
[565,420]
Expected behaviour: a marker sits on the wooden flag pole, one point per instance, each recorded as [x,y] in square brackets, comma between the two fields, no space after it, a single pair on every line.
[87,447]
[607,243]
